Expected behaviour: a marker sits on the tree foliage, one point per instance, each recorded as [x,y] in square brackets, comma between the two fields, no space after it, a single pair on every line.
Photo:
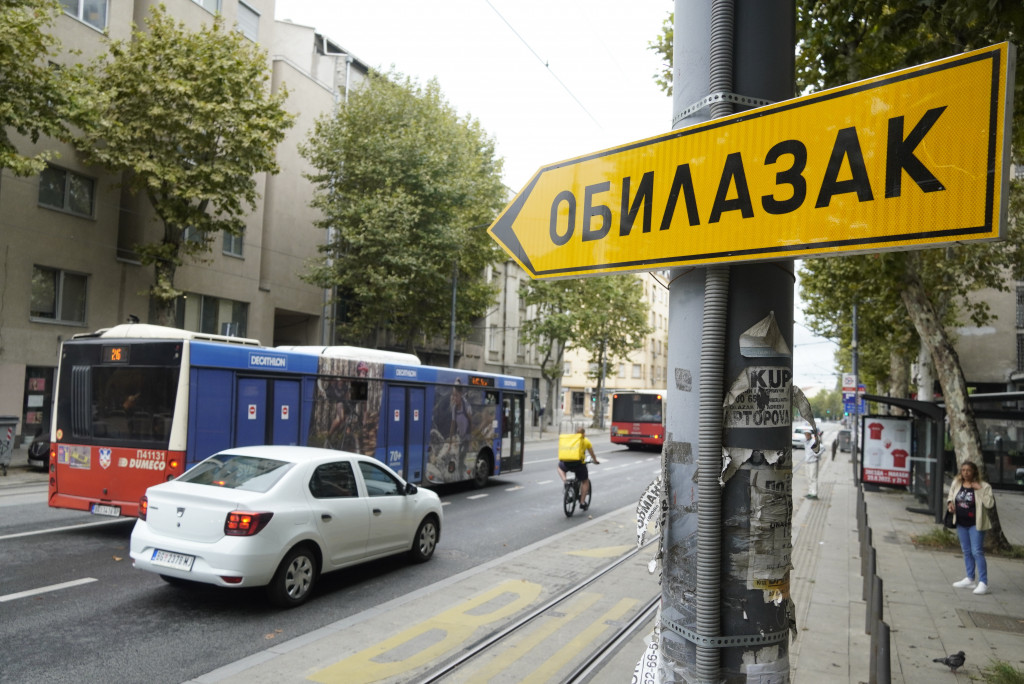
[606,316]
[662,45]
[405,186]
[188,119]
[847,40]
[36,99]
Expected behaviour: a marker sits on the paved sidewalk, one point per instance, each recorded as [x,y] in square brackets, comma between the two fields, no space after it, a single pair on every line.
[927,616]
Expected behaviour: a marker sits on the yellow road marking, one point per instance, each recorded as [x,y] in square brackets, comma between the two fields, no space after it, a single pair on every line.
[456,625]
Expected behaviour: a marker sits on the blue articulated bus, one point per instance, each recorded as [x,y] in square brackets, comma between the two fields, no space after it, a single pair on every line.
[137,404]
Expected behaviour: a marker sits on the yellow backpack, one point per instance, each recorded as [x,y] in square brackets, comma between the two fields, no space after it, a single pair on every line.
[570,448]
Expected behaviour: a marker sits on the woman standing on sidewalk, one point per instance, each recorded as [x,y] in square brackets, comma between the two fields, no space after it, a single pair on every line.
[969,500]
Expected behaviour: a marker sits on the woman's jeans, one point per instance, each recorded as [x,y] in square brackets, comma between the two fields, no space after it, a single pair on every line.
[971,540]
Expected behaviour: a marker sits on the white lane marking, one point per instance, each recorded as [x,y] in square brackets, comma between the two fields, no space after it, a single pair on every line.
[43,590]
[545,482]
[477,496]
[65,528]
[512,489]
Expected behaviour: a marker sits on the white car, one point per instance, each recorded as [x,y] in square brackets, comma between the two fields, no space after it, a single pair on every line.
[279,516]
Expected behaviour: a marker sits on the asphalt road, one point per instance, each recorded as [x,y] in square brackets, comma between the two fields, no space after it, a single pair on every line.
[72,608]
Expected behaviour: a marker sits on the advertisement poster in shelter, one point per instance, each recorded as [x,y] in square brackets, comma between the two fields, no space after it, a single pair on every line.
[887,450]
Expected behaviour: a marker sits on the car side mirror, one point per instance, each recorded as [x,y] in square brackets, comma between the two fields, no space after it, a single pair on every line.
[410,488]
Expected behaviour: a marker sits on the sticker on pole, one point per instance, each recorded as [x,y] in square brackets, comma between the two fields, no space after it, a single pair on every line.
[760,397]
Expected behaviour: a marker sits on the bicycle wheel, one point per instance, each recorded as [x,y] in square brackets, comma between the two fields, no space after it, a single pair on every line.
[569,499]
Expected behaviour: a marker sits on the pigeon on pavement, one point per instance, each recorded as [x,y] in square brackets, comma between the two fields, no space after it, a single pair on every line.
[952,661]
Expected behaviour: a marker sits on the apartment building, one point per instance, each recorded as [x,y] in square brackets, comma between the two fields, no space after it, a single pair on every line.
[67,264]
[66,260]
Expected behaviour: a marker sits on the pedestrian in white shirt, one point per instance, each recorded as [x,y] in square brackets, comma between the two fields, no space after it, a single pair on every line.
[812,455]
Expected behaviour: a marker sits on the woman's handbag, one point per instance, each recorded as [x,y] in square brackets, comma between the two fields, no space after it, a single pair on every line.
[950,521]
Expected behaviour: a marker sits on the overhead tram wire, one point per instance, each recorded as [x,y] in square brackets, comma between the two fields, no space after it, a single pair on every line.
[546,65]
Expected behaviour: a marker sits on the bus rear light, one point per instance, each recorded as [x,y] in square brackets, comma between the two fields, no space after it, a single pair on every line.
[143,507]
[173,464]
[245,523]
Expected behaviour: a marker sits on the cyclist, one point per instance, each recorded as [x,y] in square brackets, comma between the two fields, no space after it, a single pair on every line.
[579,466]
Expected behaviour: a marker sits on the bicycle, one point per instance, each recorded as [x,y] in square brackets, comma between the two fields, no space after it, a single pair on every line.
[571,494]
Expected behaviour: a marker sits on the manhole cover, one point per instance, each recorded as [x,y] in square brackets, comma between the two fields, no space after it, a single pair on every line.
[1002,623]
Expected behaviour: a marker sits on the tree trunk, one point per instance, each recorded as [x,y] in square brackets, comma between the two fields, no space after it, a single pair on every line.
[899,380]
[960,421]
[925,376]
[163,294]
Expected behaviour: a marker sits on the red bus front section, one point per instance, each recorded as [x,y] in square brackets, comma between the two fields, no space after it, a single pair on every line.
[638,419]
[108,480]
[638,434]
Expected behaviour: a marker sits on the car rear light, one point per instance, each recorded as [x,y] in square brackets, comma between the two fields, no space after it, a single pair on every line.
[143,507]
[231,580]
[245,523]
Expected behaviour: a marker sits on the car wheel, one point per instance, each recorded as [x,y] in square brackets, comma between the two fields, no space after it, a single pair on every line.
[425,541]
[294,580]
[481,472]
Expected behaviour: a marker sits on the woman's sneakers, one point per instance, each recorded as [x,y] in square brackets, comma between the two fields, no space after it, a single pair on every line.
[968,583]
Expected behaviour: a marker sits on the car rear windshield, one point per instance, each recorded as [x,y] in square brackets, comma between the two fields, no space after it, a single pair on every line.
[238,471]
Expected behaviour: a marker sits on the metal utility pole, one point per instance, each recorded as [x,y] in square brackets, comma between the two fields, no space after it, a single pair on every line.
[856,397]
[726,612]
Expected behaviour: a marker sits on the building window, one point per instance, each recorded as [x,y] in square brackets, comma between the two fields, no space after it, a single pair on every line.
[212,315]
[567,368]
[210,5]
[1020,306]
[248,22]
[638,371]
[1020,352]
[58,295]
[92,12]
[66,191]
[233,244]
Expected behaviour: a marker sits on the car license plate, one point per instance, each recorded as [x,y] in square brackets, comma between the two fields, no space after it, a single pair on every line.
[169,559]
[102,509]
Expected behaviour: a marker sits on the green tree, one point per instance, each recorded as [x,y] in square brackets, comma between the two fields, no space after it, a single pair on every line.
[550,330]
[187,118]
[611,323]
[405,186]
[846,40]
[662,45]
[36,99]
[604,315]
[827,404]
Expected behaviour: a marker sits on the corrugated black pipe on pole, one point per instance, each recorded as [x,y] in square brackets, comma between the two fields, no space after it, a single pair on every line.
[738,613]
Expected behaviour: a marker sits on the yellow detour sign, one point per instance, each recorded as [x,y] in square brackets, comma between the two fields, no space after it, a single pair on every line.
[906,160]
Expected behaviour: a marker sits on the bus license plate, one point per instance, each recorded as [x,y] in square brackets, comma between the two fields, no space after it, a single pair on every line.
[102,509]
[168,559]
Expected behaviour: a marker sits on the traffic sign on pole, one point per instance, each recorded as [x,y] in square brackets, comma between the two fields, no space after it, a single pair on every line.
[910,159]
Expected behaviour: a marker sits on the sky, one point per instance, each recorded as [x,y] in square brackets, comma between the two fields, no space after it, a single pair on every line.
[548,80]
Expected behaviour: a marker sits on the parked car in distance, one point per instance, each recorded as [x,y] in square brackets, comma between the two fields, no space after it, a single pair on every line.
[39,451]
[279,517]
[798,435]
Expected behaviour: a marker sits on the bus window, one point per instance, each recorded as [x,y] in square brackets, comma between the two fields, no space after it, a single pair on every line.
[132,403]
